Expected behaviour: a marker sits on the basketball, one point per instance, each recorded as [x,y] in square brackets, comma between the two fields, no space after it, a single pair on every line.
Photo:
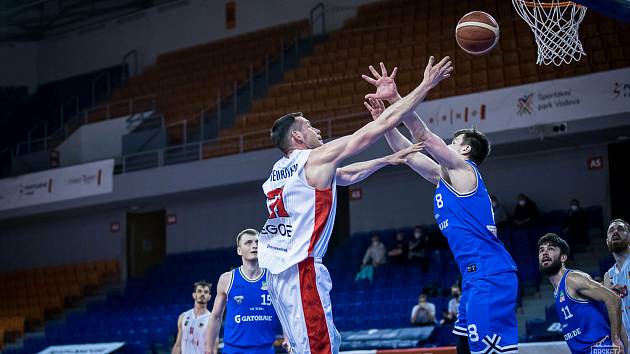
[477,33]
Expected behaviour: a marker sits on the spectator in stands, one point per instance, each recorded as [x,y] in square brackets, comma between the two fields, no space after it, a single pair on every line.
[399,254]
[450,315]
[576,225]
[419,248]
[423,314]
[376,254]
[525,211]
[500,215]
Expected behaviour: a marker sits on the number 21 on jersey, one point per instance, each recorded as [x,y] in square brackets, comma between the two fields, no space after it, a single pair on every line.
[276,204]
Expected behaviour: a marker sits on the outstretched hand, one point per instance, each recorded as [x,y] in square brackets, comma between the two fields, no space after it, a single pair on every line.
[401,156]
[375,107]
[434,74]
[385,84]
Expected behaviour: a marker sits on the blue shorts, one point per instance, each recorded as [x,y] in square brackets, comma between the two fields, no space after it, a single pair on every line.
[487,313]
[229,349]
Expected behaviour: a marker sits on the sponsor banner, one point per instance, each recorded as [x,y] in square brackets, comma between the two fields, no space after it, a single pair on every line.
[553,101]
[57,185]
[100,348]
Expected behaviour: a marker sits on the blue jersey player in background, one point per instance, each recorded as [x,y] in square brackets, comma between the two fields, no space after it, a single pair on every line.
[590,313]
[463,211]
[251,322]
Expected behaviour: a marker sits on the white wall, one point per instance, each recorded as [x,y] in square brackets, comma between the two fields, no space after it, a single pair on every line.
[62,240]
[18,65]
[210,218]
[95,141]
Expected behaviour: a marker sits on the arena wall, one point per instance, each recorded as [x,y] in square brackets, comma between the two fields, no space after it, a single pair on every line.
[210,217]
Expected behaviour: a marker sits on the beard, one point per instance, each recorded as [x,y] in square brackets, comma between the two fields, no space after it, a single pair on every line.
[617,246]
[552,269]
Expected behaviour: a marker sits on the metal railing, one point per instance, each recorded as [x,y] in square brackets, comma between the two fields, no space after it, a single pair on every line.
[105,112]
[231,145]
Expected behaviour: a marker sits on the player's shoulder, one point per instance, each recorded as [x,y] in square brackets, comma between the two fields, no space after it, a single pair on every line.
[224,280]
[578,276]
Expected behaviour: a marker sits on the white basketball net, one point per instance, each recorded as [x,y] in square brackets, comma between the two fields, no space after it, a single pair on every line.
[555,25]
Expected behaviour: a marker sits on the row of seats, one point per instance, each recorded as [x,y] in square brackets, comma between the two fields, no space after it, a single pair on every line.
[145,322]
[28,296]
[327,85]
[187,81]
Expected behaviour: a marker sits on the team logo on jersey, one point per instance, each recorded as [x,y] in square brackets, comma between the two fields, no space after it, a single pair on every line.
[562,296]
[264,286]
[239,299]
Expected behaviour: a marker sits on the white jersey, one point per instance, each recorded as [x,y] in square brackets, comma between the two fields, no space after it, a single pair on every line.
[622,278]
[300,219]
[194,332]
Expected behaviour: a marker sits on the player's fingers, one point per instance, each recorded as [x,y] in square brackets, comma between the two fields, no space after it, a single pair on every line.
[374,72]
[383,70]
[370,95]
[427,69]
[367,105]
[369,79]
[443,61]
[394,72]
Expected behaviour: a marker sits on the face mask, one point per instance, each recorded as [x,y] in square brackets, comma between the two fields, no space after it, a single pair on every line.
[521,202]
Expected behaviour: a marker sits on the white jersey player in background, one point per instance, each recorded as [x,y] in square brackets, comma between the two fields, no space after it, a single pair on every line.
[301,201]
[192,324]
[617,278]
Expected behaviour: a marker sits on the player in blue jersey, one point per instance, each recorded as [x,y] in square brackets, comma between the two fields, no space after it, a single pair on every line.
[590,313]
[463,211]
[251,322]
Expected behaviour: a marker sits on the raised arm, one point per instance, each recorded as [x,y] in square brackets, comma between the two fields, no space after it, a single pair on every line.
[324,160]
[359,171]
[422,164]
[177,346]
[585,287]
[216,316]
[386,90]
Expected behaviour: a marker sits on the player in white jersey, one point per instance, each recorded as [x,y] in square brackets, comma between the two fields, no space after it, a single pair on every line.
[192,324]
[617,278]
[301,202]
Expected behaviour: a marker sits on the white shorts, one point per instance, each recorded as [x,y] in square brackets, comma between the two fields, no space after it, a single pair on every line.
[301,298]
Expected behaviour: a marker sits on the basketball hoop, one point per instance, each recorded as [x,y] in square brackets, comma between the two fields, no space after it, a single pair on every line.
[555,25]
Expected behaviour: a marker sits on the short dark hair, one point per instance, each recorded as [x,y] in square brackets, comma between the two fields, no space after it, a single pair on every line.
[556,241]
[281,129]
[478,142]
[203,284]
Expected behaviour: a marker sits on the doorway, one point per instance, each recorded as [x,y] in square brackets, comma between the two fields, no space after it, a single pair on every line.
[146,241]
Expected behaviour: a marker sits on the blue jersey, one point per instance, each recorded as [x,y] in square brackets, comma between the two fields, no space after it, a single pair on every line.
[250,319]
[584,323]
[467,221]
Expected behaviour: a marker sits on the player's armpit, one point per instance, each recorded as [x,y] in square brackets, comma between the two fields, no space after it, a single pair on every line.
[425,167]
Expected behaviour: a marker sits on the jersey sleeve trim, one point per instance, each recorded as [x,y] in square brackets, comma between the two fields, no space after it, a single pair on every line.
[227,292]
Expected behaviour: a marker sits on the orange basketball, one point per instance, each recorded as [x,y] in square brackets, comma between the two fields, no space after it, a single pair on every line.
[477,33]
